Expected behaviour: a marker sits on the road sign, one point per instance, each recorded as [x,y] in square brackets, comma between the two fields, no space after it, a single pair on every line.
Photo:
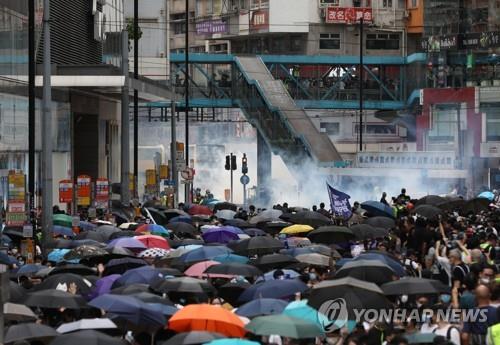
[28,230]
[168,182]
[244,179]
[187,174]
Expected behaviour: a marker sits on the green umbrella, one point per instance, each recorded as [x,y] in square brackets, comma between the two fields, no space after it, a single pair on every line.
[63,220]
[284,325]
[420,338]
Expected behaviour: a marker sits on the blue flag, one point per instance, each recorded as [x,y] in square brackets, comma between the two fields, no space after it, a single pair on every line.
[339,202]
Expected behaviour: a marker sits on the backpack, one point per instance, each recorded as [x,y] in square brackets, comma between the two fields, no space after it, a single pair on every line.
[448,332]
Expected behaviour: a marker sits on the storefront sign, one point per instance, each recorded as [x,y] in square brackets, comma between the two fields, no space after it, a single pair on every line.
[15,218]
[83,190]
[348,15]
[483,40]
[406,160]
[17,193]
[65,191]
[208,27]
[259,20]
[102,192]
[438,43]
[164,174]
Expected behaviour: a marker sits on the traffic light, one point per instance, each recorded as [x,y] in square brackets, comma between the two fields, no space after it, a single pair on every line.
[244,166]
[228,163]
[233,162]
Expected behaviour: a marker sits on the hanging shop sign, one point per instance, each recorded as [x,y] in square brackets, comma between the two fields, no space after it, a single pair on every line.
[65,191]
[102,192]
[348,15]
[83,190]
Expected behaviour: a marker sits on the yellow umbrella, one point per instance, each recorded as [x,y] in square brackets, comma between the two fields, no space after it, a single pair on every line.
[296,229]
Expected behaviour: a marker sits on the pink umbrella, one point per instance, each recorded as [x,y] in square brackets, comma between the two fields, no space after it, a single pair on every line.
[197,270]
[153,241]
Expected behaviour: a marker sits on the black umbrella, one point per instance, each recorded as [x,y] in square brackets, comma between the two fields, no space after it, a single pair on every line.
[193,338]
[367,270]
[148,297]
[87,337]
[92,235]
[83,252]
[158,216]
[314,219]
[172,213]
[414,286]
[131,289]
[272,227]
[252,232]
[185,242]
[231,291]
[271,261]
[256,245]
[452,204]
[120,266]
[351,292]
[107,230]
[182,228]
[331,234]
[66,280]
[239,223]
[236,269]
[54,299]
[381,222]
[16,292]
[123,233]
[182,285]
[475,206]
[433,200]
[169,271]
[225,206]
[29,332]
[73,268]
[366,231]
[428,211]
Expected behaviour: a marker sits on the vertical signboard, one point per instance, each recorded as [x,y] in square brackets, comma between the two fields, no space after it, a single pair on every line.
[16,202]
[83,190]
[65,191]
[102,193]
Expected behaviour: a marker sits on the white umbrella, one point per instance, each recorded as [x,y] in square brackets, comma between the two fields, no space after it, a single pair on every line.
[225,214]
[18,312]
[126,226]
[86,324]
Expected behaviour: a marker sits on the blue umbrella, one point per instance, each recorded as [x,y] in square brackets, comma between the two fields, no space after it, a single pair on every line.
[6,240]
[232,229]
[204,253]
[127,242]
[487,195]
[62,231]
[4,259]
[262,306]
[395,265]
[219,235]
[184,219]
[301,310]
[57,255]
[225,258]
[166,310]
[377,208]
[288,274]
[130,309]
[140,275]
[87,226]
[284,289]
[29,269]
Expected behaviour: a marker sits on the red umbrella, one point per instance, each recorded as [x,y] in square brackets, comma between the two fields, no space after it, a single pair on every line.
[153,241]
[199,210]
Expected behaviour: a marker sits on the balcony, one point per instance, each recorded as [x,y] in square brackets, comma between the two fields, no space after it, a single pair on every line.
[389,18]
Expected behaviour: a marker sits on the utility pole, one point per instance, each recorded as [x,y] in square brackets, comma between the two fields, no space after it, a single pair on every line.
[173,152]
[187,191]
[136,97]
[232,170]
[31,111]
[46,131]
[125,124]
[361,84]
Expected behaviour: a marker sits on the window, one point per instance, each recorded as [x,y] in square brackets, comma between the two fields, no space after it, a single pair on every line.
[335,3]
[330,128]
[412,3]
[178,25]
[378,129]
[382,41]
[356,3]
[329,41]
[493,125]
[444,124]
[387,3]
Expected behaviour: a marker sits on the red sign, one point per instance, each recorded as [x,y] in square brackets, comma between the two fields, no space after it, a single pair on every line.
[102,192]
[348,15]
[65,191]
[83,190]
[259,20]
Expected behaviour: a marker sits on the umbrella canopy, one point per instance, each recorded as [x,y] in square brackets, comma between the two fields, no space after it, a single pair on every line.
[252,232]
[29,270]
[54,299]
[182,285]
[63,220]
[58,230]
[127,242]
[73,268]
[475,206]
[120,266]
[433,200]
[428,211]
[182,228]
[274,261]
[315,259]
[283,289]
[18,312]
[231,258]
[204,253]
[193,338]
[86,324]
[205,317]
[234,269]
[487,195]
[199,210]
[354,294]
[84,251]
[16,292]
[129,308]
[219,235]
[66,282]
[153,241]
[257,246]
[389,261]
[103,285]
[296,229]
[130,289]
[377,208]
[29,332]
[381,222]
[284,325]
[301,310]
[366,231]
[311,218]
[262,306]
[140,275]
[414,286]
[331,234]
[367,270]
[225,214]
[225,206]
[239,223]
[198,270]
[92,235]
[87,337]
[153,253]
[153,229]
[313,248]
[183,219]
[231,291]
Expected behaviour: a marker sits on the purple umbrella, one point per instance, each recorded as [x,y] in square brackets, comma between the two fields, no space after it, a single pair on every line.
[233,229]
[103,285]
[127,242]
[219,236]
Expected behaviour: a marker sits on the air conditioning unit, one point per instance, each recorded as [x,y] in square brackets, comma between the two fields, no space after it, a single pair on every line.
[407,14]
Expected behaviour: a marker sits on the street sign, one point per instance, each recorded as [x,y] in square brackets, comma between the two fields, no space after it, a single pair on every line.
[83,190]
[28,230]
[187,174]
[168,182]
[15,218]
[244,179]
[179,156]
[65,191]
[75,221]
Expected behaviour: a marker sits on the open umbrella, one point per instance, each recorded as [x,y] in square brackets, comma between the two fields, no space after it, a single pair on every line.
[376,208]
[225,206]
[314,219]
[315,259]
[130,289]
[54,299]
[92,235]
[18,312]
[219,235]
[120,266]
[301,310]
[153,253]
[231,291]
[257,246]
[239,223]
[205,317]
[381,222]
[367,270]
[428,211]
[87,337]
[63,220]
[204,253]
[386,259]
[331,234]
[183,219]
[270,261]
[198,270]
[153,241]
[284,325]
[261,306]
[231,258]
[225,214]
[366,231]
[182,285]
[487,195]
[29,332]
[475,206]
[127,242]
[433,200]
[86,324]
[73,268]
[103,285]
[193,338]
[414,286]
[16,292]
[84,251]
[296,229]
[64,282]
[199,210]
[58,230]
[283,289]
[234,269]
[252,232]
[182,228]
[140,275]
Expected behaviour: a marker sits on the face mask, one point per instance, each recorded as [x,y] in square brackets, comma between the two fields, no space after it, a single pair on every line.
[485,280]
[404,298]
[312,276]
[445,298]
[14,251]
